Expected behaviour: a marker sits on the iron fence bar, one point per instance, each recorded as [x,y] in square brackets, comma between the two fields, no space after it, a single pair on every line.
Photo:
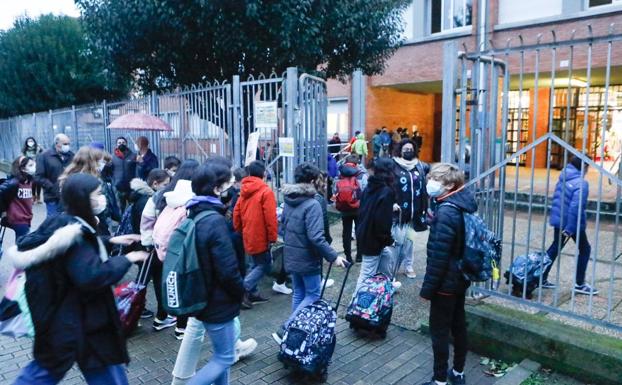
[462,122]
[504,124]
[516,165]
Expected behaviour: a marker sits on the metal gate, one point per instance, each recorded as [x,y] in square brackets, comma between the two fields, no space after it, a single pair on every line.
[566,95]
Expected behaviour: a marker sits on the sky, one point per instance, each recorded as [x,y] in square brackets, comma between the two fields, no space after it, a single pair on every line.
[10,9]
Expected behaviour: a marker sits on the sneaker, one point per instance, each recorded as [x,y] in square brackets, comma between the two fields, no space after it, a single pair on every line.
[410,273]
[278,335]
[455,379]
[146,314]
[246,302]
[585,289]
[397,285]
[244,348]
[257,298]
[281,288]
[548,285]
[430,383]
[179,333]
[329,282]
[168,322]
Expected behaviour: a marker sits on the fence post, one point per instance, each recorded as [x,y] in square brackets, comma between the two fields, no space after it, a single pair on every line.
[291,98]
[449,102]
[154,110]
[74,120]
[358,102]
[107,139]
[238,152]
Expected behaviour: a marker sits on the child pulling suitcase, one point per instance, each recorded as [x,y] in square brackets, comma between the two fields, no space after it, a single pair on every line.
[309,340]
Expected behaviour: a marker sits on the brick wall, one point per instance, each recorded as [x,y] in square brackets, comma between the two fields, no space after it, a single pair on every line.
[393,108]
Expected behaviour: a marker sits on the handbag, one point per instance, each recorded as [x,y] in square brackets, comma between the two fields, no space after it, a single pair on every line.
[131,298]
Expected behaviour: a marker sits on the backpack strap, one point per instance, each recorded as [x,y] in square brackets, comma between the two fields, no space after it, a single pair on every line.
[203,214]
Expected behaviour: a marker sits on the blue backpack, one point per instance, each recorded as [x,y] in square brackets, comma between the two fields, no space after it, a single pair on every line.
[482,248]
[125,226]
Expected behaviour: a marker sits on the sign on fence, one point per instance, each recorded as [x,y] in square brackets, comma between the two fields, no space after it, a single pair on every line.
[286,147]
[251,148]
[266,115]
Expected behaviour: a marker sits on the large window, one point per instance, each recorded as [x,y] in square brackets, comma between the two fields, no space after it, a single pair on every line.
[598,3]
[446,15]
[338,119]
[512,11]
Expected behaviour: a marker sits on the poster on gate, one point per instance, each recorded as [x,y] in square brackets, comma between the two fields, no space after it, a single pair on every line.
[266,115]
[286,147]
[251,148]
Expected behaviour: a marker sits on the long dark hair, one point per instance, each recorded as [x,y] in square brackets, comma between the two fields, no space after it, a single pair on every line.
[17,169]
[186,172]
[76,198]
[402,143]
[26,144]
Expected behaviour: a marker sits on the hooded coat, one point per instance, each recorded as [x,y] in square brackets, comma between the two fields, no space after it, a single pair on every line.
[360,146]
[68,288]
[373,231]
[303,231]
[141,192]
[575,195]
[446,246]
[254,216]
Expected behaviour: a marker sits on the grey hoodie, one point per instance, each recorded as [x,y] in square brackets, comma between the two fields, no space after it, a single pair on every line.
[303,231]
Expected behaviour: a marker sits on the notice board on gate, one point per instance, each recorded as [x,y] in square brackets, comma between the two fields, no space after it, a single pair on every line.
[251,148]
[266,117]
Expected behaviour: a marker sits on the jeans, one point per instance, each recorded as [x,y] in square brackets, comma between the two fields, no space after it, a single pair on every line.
[584,255]
[20,230]
[262,264]
[190,350]
[403,254]
[348,219]
[374,264]
[36,374]
[52,209]
[223,343]
[307,289]
[447,315]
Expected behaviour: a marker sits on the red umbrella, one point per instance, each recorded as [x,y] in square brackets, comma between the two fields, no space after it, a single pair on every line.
[139,121]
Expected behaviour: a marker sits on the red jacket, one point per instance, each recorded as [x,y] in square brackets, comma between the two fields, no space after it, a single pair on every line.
[254,216]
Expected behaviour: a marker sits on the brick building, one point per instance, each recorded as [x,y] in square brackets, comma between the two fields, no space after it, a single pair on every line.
[409,93]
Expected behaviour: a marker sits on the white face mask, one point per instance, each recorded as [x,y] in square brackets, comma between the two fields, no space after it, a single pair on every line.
[99,205]
[65,148]
[31,169]
[136,148]
[434,188]
[100,165]
[30,144]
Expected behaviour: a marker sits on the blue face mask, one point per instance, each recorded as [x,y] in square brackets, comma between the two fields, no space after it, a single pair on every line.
[434,188]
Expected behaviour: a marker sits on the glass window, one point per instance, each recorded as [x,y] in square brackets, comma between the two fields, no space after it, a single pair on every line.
[598,3]
[337,121]
[450,14]
[512,11]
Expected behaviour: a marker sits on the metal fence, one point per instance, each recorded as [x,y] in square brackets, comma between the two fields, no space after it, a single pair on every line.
[540,103]
[209,119]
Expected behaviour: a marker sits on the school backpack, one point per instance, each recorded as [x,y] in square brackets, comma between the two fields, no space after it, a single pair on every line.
[348,194]
[372,305]
[525,272]
[482,248]
[168,220]
[183,283]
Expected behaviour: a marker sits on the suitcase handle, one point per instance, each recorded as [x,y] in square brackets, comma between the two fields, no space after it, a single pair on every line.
[343,284]
[145,269]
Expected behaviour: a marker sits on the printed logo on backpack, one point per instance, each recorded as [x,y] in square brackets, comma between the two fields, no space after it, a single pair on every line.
[373,301]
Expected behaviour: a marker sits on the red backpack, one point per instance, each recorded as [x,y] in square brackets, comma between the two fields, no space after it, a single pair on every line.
[348,194]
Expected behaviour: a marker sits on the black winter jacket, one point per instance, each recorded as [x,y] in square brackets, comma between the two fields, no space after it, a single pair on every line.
[141,192]
[303,231]
[322,201]
[220,265]
[123,170]
[150,161]
[446,246]
[50,165]
[411,194]
[68,291]
[373,231]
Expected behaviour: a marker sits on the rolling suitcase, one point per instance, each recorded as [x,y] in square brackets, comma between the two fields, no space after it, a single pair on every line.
[309,340]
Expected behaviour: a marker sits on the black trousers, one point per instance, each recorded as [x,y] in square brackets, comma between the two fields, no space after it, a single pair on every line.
[447,316]
[347,220]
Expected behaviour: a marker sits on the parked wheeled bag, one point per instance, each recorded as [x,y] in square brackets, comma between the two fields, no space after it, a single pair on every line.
[309,340]
[372,306]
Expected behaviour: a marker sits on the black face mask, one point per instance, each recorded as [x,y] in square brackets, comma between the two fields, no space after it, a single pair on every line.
[227,195]
[408,155]
[122,148]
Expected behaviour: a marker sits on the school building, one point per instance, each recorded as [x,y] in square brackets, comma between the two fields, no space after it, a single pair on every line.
[409,93]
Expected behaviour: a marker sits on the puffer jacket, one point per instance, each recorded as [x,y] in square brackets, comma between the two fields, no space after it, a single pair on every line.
[411,194]
[575,196]
[303,231]
[446,246]
[68,288]
[348,170]
[219,263]
[123,170]
[254,215]
[360,146]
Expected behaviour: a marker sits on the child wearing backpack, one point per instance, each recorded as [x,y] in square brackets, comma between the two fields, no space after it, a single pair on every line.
[16,196]
[444,285]
[347,195]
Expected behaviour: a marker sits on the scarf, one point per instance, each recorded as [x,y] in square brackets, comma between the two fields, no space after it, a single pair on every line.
[204,198]
[407,164]
[119,153]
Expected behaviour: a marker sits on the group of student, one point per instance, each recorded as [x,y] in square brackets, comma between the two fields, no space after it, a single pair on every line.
[70,268]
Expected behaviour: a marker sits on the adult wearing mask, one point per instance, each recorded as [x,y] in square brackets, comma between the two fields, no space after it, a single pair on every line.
[31,150]
[411,199]
[335,144]
[146,160]
[50,165]
[123,170]
[68,287]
